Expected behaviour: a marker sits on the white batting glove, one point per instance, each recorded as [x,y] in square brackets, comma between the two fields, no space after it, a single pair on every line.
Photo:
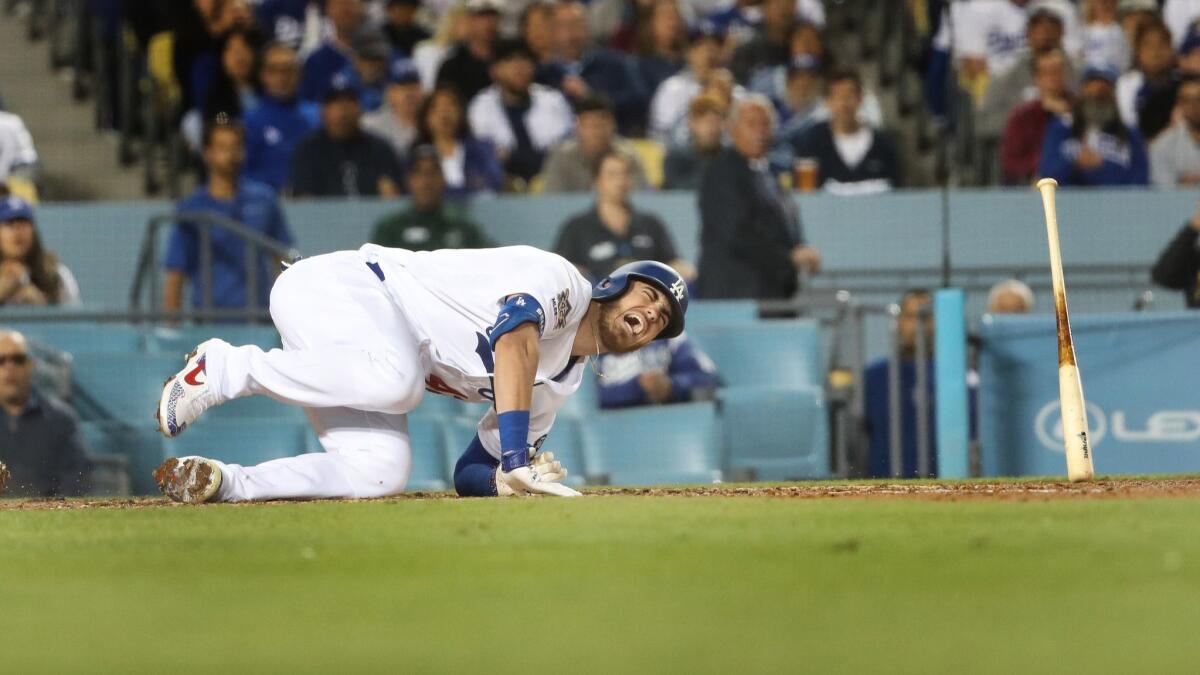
[541,476]
[548,468]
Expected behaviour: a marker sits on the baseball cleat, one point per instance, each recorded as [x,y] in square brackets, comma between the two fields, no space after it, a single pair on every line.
[191,480]
[186,394]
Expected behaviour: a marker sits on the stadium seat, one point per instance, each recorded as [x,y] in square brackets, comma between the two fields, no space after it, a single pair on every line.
[256,406]
[241,441]
[779,353]
[775,433]
[436,405]
[721,312]
[143,446]
[652,445]
[84,338]
[651,154]
[457,433]
[586,401]
[124,387]
[180,341]
[428,465]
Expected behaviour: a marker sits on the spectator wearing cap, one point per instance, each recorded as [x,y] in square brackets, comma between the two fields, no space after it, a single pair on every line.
[372,57]
[281,119]
[1094,147]
[612,232]
[771,45]
[18,157]
[1021,142]
[661,40]
[401,27]
[336,53]
[29,274]
[429,223]
[807,51]
[686,163]
[579,71]
[1146,95]
[571,164]
[228,194]
[467,68]
[669,107]
[340,159]
[469,164]
[741,19]
[1104,42]
[851,157]
[1043,32]
[40,440]
[396,120]
[521,119]
[286,21]
[1175,154]
[751,244]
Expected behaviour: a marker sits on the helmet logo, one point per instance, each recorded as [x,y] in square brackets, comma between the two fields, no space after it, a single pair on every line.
[678,289]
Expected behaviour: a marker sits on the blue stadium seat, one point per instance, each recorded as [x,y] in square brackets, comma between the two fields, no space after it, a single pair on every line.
[84,338]
[660,444]
[721,312]
[428,465]
[142,446]
[125,386]
[457,433]
[775,433]
[586,401]
[782,353]
[180,341]
[241,441]
[256,406]
[436,405]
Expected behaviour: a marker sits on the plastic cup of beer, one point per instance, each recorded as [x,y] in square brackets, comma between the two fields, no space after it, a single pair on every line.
[805,170]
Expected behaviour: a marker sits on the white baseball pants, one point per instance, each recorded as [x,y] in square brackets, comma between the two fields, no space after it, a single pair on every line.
[351,359]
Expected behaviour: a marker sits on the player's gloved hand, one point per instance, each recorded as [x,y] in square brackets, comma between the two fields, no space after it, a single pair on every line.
[548,468]
[527,480]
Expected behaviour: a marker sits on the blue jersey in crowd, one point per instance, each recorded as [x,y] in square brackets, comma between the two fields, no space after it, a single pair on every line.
[272,131]
[256,207]
[1125,162]
[691,372]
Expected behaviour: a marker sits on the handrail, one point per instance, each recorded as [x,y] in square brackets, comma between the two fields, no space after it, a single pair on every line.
[147,267]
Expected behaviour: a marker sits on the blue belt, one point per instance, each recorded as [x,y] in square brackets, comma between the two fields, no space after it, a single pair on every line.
[376,269]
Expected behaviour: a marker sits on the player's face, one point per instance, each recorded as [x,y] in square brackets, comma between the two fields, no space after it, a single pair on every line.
[634,320]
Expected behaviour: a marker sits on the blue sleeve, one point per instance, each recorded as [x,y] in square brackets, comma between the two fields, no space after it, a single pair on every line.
[516,310]
[475,472]
[1054,164]
[691,369]
[1139,163]
[620,394]
[181,250]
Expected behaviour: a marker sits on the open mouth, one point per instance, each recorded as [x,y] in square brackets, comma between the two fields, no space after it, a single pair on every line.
[635,323]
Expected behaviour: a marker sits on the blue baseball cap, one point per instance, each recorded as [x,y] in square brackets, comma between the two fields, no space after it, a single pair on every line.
[341,85]
[1100,71]
[403,71]
[15,208]
[705,30]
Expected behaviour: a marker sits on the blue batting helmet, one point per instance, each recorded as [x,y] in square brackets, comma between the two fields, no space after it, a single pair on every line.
[15,208]
[662,277]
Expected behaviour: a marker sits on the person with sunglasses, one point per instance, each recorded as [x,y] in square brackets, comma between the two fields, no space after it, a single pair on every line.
[39,441]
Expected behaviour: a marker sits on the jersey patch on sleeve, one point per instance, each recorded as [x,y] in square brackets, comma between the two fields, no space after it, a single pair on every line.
[516,310]
[562,308]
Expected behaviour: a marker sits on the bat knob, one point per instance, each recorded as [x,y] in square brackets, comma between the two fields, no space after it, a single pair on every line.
[1046,182]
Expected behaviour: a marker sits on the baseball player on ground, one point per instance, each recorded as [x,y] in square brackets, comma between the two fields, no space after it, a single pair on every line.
[367,333]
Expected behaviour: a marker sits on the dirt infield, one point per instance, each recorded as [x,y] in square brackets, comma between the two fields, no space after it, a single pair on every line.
[1138,488]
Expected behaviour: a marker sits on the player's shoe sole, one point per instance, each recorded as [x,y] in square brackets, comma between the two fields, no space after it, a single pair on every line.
[185,394]
[191,480]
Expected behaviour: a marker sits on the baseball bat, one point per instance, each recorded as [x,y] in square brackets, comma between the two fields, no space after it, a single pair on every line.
[1070,387]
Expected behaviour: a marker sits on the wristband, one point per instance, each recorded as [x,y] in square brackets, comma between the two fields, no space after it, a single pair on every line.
[514,439]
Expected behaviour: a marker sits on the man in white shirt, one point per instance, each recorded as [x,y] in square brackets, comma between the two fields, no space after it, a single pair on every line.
[1175,153]
[18,158]
[521,119]
[366,333]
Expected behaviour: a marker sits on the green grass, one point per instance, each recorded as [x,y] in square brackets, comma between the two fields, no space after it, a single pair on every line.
[612,585]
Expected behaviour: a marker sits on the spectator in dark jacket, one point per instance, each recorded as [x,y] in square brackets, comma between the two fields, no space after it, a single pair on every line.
[336,54]
[341,159]
[275,127]
[40,440]
[1094,148]
[685,165]
[750,238]
[1178,266]
[402,29]
[580,72]
[467,67]
[469,165]
[1021,143]
[852,158]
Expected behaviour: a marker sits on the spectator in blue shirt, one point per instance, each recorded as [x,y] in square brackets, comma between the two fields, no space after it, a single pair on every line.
[275,127]
[336,54]
[225,194]
[1094,147]
[580,72]
[664,371]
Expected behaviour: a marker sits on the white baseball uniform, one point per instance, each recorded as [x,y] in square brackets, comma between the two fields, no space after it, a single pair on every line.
[365,333]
